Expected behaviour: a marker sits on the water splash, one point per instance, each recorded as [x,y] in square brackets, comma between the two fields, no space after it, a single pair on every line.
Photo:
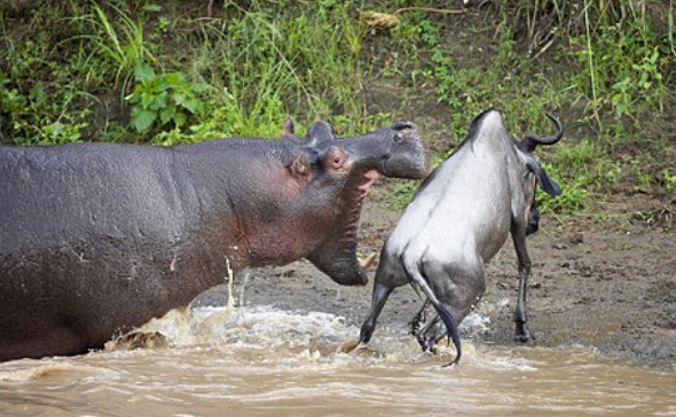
[475,324]
[252,360]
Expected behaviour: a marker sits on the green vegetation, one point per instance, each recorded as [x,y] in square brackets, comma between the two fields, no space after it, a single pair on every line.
[163,99]
[174,72]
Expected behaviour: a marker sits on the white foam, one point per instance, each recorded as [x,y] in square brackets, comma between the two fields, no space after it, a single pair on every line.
[475,324]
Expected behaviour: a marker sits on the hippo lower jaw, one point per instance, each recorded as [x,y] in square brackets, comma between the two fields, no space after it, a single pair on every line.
[337,257]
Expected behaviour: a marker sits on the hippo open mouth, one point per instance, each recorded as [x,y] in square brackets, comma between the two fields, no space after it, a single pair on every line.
[353,165]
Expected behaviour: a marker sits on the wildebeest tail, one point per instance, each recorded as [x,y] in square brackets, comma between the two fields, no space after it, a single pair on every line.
[416,277]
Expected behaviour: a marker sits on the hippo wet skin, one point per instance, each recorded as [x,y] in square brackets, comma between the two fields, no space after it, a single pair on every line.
[96,238]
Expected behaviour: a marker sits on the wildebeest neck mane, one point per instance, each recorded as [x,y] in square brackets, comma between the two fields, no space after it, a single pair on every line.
[474,129]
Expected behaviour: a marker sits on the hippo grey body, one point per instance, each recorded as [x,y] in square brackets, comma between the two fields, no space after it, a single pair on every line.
[96,238]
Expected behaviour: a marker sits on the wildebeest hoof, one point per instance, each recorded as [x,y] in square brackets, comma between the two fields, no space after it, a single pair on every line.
[348,347]
[428,349]
[367,262]
[425,345]
[524,338]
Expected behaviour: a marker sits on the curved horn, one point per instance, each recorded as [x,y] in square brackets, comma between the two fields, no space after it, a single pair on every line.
[531,141]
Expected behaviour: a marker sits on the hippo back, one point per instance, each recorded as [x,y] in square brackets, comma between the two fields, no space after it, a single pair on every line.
[90,237]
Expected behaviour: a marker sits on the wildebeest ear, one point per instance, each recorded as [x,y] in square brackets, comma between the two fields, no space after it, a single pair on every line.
[546,183]
[300,167]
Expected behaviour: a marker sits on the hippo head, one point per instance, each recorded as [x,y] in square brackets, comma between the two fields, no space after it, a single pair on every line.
[396,151]
[344,170]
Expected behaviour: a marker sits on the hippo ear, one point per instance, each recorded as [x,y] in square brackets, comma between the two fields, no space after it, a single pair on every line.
[546,183]
[288,130]
[320,135]
[300,168]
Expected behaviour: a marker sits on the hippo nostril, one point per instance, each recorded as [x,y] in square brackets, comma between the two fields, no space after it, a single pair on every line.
[402,124]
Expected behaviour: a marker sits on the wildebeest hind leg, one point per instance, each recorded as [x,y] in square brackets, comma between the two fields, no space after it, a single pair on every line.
[426,336]
[419,318]
[521,334]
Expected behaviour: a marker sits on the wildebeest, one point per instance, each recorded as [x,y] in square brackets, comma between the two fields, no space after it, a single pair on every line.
[457,220]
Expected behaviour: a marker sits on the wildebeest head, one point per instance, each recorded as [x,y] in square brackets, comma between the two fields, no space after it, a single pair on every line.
[533,173]
[344,170]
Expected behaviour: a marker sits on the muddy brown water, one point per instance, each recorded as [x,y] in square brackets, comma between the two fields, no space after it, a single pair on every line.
[265,361]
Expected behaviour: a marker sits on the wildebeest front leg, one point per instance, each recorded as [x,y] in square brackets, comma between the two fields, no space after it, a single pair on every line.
[379,297]
[522,334]
[380,294]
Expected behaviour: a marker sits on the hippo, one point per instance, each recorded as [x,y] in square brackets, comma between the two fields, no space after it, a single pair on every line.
[97,238]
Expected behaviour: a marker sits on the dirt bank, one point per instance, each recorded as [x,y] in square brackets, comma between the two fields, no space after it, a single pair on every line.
[606,284]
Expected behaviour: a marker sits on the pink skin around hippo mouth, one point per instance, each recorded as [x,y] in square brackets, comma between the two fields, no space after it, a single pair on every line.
[370,177]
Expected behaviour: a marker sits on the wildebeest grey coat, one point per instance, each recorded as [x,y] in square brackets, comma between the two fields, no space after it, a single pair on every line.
[457,220]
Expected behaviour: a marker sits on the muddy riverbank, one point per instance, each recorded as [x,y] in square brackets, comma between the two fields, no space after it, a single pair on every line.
[601,281]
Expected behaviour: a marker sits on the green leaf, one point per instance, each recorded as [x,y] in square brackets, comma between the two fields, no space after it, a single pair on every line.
[142,119]
[146,100]
[167,114]
[37,93]
[160,101]
[199,87]
[193,105]
[175,79]
[179,119]
[144,73]
[179,98]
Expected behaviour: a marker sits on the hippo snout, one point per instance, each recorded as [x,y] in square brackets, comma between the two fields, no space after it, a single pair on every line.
[350,277]
[409,156]
[396,151]
[405,130]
